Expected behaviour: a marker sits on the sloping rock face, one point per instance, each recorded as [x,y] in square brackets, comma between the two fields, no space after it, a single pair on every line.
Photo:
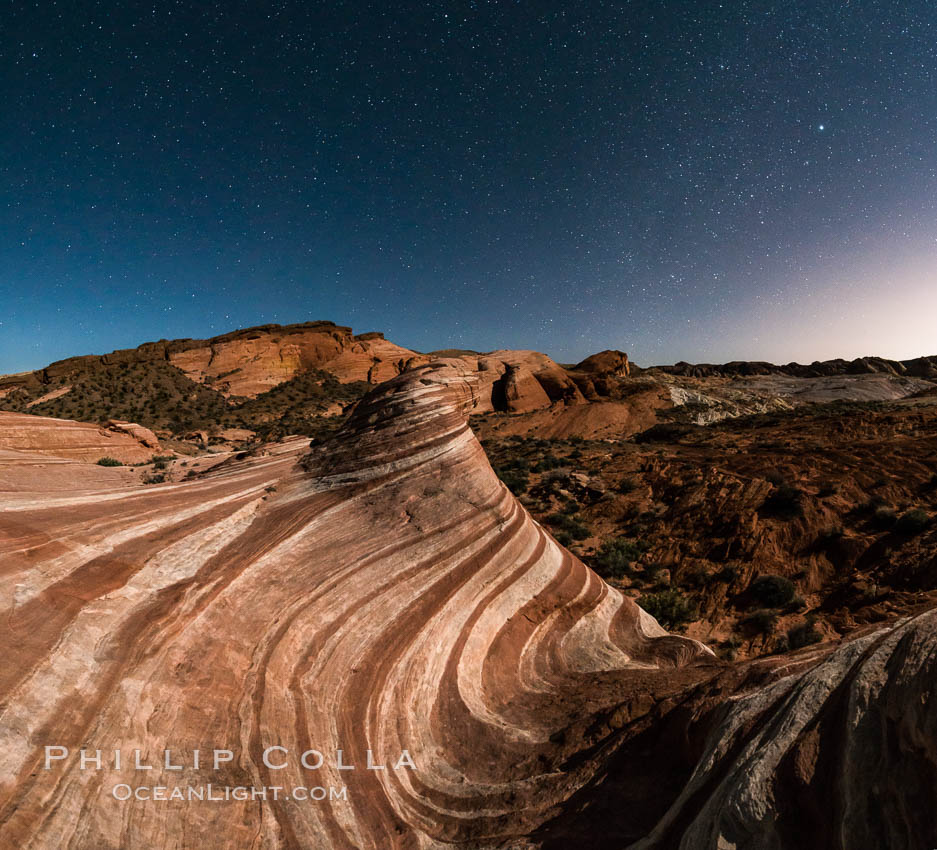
[824,749]
[522,391]
[843,755]
[63,438]
[390,596]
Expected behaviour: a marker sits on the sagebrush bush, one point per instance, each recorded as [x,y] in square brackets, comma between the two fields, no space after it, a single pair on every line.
[762,622]
[772,591]
[572,524]
[626,485]
[913,522]
[884,518]
[616,557]
[803,635]
[516,480]
[785,502]
[670,608]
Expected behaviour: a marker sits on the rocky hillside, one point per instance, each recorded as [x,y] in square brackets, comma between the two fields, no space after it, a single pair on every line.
[276,380]
[757,534]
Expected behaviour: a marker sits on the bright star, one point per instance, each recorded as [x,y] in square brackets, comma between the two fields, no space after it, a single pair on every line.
[822,127]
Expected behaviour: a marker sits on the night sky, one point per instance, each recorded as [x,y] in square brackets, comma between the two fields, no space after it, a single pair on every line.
[680,180]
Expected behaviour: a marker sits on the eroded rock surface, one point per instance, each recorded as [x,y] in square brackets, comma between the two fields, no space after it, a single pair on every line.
[85,441]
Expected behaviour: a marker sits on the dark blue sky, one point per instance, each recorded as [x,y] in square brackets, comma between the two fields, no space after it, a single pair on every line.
[681,180]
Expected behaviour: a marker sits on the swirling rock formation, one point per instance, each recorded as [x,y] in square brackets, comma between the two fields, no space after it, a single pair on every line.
[392,596]
[386,597]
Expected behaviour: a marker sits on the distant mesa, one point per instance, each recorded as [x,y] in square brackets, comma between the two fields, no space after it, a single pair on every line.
[919,367]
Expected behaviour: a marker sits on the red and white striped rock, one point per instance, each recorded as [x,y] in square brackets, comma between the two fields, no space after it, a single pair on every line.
[389,595]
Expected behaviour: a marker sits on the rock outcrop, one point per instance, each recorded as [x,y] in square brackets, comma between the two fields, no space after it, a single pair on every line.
[63,438]
[517,381]
[249,362]
[843,755]
[606,363]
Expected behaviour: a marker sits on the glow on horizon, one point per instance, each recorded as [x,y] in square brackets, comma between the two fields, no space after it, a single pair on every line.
[877,306]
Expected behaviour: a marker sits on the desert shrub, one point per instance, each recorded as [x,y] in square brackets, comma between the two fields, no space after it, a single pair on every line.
[798,603]
[785,502]
[616,557]
[728,649]
[870,505]
[572,524]
[828,488]
[761,622]
[652,573]
[728,574]
[670,608]
[884,518]
[803,635]
[516,480]
[912,522]
[626,485]
[159,478]
[693,578]
[160,461]
[109,461]
[772,591]
[547,462]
